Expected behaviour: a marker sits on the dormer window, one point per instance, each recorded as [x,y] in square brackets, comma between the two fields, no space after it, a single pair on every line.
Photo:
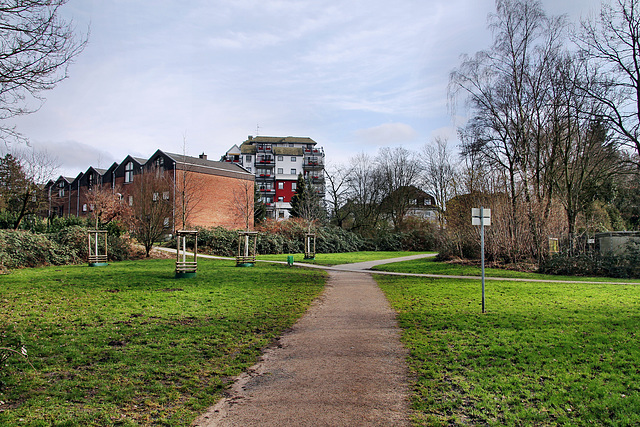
[128,172]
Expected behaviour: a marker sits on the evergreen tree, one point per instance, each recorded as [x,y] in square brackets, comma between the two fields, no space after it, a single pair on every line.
[298,199]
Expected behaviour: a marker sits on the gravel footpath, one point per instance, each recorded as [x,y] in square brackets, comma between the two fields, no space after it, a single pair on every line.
[341,364]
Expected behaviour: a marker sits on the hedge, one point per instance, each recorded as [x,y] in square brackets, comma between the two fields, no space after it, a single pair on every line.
[20,249]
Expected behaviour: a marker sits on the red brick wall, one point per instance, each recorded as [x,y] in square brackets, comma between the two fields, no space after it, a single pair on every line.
[217,200]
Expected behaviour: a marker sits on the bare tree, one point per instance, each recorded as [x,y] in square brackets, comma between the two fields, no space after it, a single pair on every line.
[439,174]
[507,89]
[243,203]
[106,204]
[36,50]
[188,197]
[337,192]
[400,170]
[584,157]
[612,45]
[151,208]
[364,194]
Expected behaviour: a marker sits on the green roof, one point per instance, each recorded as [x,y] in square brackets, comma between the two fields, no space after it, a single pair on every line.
[287,151]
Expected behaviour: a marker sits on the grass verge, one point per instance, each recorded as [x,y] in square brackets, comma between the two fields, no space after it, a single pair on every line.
[128,344]
[543,354]
[341,258]
[431,266]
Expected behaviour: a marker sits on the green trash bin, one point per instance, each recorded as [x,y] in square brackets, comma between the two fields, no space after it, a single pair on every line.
[290,260]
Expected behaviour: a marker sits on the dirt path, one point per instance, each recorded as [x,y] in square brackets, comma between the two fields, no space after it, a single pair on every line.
[342,364]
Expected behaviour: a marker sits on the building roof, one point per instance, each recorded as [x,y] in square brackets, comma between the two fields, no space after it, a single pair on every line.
[288,151]
[235,150]
[280,140]
[247,148]
[202,165]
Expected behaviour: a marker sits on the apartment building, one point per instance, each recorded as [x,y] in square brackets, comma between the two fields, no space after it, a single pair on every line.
[214,189]
[276,163]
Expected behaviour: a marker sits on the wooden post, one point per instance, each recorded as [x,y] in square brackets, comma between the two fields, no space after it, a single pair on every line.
[186,268]
[310,246]
[246,252]
[97,259]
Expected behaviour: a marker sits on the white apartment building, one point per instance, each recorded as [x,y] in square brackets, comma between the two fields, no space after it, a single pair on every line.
[276,163]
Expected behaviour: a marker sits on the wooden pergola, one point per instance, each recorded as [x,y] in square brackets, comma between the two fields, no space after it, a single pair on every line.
[97,249]
[246,248]
[186,264]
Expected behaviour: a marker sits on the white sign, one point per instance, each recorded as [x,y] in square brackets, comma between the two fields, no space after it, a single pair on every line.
[475,216]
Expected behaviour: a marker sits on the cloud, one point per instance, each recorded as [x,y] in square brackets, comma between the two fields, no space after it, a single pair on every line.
[386,134]
[74,157]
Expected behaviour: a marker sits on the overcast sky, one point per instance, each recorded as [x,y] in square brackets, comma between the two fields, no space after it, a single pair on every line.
[354,75]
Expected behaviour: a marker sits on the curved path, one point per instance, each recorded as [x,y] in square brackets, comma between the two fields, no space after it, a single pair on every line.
[341,364]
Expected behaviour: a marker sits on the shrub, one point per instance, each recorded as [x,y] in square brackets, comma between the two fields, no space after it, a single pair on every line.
[25,249]
[20,249]
[625,264]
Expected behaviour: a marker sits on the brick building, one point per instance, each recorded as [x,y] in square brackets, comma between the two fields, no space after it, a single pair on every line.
[202,192]
[276,163]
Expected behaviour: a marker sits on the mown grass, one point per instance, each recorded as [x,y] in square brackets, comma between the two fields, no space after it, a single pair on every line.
[341,258]
[431,266]
[543,354]
[128,344]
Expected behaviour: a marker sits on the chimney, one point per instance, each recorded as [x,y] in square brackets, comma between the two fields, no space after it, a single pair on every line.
[203,156]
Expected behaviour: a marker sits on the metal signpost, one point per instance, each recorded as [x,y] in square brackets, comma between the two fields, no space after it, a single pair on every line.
[481,217]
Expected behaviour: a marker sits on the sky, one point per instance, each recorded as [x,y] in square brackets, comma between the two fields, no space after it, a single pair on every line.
[200,76]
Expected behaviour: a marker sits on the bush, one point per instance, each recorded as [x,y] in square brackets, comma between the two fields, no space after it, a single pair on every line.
[624,265]
[21,248]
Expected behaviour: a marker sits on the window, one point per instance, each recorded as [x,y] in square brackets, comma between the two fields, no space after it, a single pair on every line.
[61,192]
[155,197]
[84,207]
[166,223]
[294,185]
[280,158]
[91,207]
[128,172]
[280,171]
[281,186]
[130,200]
[293,171]
[165,195]
[427,202]
[280,214]
[281,199]
[248,158]
[293,159]
[159,166]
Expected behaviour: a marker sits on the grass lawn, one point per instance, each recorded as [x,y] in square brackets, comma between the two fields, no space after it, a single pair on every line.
[543,354]
[341,258]
[128,344]
[431,266]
